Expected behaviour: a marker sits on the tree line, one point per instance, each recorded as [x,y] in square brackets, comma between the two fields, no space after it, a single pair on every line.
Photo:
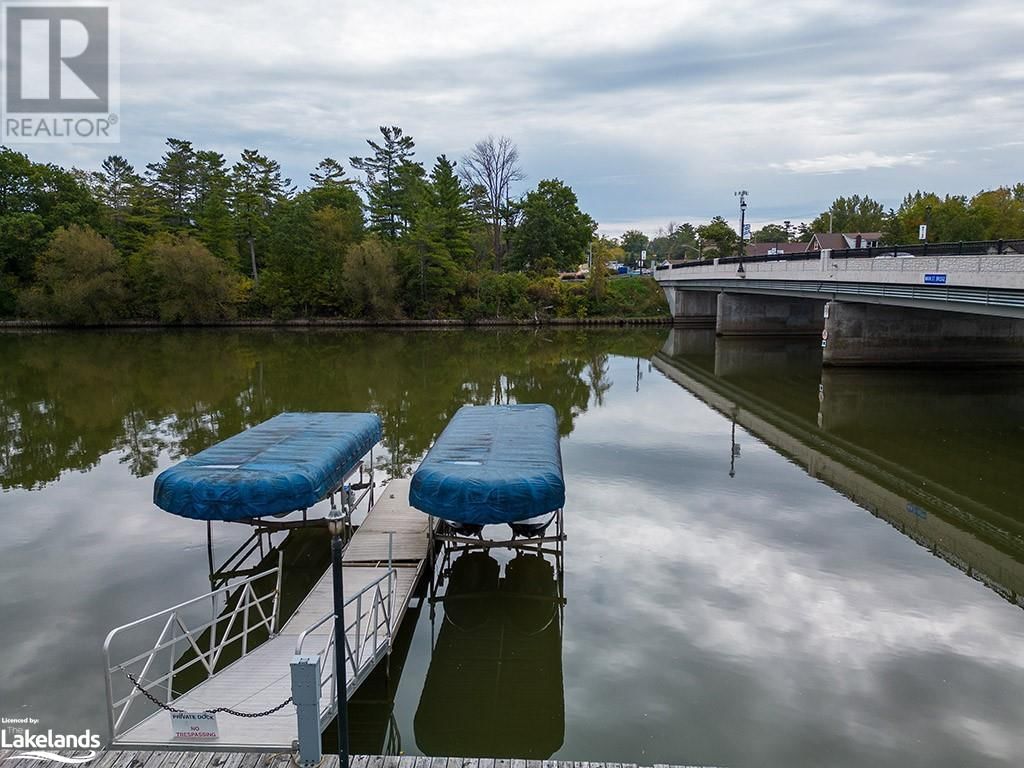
[996,214]
[194,238]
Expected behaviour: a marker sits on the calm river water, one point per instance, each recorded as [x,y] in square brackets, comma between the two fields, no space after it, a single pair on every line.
[766,565]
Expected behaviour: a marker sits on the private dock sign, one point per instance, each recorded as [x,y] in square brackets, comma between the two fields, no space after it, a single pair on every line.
[194,726]
[935,279]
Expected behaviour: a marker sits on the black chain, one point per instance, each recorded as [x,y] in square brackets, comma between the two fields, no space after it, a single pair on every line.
[225,710]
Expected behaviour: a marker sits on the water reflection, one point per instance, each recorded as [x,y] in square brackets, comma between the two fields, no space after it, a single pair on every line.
[494,686]
[66,400]
[931,453]
[764,619]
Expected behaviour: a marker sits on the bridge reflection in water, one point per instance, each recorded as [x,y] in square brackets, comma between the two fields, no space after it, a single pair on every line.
[936,454]
[494,687]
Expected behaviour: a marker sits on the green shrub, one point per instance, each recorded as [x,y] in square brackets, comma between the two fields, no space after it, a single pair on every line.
[80,280]
[191,284]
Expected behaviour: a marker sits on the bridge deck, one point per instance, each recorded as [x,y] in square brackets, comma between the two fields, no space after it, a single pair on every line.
[261,679]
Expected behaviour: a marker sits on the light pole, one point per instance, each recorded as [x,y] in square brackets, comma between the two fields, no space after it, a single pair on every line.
[742,195]
[336,524]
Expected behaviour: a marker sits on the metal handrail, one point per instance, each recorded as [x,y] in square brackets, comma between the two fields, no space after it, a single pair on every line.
[380,618]
[248,600]
[322,620]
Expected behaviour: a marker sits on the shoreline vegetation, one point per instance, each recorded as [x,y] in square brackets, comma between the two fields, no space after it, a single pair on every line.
[342,323]
[193,240]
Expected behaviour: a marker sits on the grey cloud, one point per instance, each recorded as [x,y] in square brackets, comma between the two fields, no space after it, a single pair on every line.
[878,98]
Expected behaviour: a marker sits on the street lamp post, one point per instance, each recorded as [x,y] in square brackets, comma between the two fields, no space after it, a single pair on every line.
[336,524]
[742,195]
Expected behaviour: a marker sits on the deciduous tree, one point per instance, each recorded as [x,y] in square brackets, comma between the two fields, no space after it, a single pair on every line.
[492,167]
[552,227]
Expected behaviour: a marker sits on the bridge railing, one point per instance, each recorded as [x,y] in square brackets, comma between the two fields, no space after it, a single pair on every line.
[961,248]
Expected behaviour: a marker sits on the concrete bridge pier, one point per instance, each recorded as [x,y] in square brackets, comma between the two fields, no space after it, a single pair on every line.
[748,314]
[692,308]
[881,335]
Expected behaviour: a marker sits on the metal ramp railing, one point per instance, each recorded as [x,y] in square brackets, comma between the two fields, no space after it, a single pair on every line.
[368,638]
[173,672]
[206,646]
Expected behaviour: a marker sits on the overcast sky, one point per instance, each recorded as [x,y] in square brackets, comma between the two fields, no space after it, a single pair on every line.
[652,110]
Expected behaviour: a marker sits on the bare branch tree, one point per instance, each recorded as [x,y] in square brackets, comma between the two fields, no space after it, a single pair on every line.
[492,167]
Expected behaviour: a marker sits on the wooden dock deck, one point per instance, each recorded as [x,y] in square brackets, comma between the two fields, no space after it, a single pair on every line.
[135,759]
[261,679]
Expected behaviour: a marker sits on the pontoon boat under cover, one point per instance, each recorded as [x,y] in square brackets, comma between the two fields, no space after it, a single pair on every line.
[287,463]
[492,464]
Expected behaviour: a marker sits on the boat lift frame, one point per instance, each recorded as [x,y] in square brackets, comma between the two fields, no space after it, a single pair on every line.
[462,542]
[261,539]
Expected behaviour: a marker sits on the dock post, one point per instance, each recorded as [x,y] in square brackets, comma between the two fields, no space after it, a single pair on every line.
[306,696]
[335,523]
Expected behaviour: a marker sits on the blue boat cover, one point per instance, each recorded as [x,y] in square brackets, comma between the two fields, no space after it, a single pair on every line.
[287,463]
[492,464]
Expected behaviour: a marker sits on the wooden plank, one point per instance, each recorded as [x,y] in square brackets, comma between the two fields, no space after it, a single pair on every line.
[251,760]
[439,762]
[176,759]
[422,762]
[499,763]
[406,761]
[359,761]
[234,760]
[128,759]
[183,760]
[518,763]
[155,759]
[391,761]
[533,764]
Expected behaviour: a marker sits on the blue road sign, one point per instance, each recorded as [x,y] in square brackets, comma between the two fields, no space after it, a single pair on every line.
[935,279]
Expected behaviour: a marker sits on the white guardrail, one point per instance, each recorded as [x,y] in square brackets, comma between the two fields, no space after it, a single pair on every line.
[207,642]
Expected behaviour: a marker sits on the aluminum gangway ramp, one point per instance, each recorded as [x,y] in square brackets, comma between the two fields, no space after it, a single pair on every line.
[383,561]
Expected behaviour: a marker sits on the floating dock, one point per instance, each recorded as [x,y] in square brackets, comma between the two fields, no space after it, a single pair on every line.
[383,560]
[132,759]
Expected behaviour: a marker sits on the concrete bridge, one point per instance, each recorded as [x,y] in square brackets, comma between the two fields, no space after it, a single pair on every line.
[895,306]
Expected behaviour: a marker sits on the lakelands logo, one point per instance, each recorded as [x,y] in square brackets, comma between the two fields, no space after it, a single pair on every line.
[60,78]
[17,733]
